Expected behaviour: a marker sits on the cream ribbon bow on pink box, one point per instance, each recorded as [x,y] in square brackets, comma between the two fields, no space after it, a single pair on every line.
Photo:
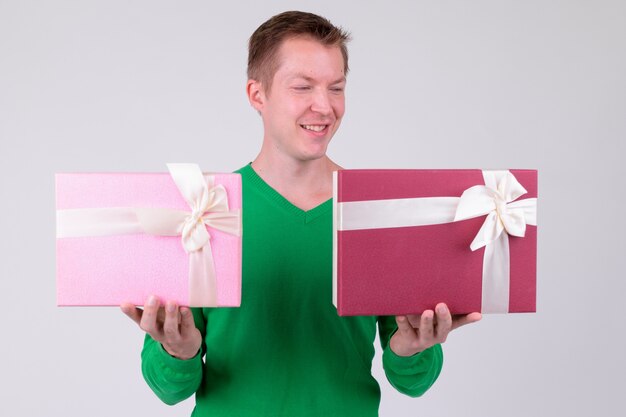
[208,207]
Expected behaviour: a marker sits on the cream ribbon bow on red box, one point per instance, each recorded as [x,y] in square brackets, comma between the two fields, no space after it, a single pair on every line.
[495,199]
[505,217]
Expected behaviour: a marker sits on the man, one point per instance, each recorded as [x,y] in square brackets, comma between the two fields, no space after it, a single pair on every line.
[285,351]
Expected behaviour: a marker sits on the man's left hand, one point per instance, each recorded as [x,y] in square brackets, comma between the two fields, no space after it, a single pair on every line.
[418,332]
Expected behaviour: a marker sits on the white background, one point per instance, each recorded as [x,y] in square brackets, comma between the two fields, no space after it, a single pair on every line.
[129,85]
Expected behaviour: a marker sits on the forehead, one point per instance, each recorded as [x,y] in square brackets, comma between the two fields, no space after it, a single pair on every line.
[305,56]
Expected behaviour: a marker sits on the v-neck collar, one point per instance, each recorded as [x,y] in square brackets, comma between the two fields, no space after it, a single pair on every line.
[306,215]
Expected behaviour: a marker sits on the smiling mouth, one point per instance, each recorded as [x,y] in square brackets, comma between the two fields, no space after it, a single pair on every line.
[314,128]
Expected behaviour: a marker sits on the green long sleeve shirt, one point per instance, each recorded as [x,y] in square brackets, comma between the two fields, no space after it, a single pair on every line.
[285,351]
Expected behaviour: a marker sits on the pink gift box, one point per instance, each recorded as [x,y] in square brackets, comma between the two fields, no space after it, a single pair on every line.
[108,268]
[399,248]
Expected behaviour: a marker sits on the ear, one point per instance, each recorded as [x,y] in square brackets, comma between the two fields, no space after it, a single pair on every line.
[256,95]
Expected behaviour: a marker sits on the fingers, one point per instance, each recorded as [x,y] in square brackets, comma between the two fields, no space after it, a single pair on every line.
[150,322]
[182,339]
[434,327]
[404,342]
[187,323]
[427,328]
[405,327]
[414,320]
[417,332]
[171,324]
[444,322]
[131,311]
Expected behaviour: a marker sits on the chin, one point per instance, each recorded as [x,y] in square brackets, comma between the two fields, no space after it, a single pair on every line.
[313,154]
[306,157]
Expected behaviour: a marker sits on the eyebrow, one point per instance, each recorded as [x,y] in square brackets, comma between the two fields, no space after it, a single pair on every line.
[309,79]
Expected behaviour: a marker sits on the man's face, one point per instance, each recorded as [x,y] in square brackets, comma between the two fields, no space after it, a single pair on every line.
[304,108]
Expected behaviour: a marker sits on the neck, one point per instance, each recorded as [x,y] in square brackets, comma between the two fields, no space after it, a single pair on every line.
[306,184]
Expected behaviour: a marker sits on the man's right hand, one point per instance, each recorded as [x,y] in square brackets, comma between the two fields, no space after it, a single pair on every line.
[170,325]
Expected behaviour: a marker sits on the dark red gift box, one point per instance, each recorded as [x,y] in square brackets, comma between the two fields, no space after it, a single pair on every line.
[402,241]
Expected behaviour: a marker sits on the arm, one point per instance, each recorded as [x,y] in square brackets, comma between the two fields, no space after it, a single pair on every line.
[173,349]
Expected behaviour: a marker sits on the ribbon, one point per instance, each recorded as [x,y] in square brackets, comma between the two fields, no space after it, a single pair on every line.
[497,199]
[209,207]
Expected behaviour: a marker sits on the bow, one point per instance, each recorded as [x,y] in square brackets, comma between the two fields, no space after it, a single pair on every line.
[209,207]
[496,199]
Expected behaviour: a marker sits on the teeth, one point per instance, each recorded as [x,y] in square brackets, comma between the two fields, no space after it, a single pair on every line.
[315,128]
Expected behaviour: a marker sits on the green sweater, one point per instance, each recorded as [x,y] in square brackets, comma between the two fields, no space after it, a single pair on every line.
[285,351]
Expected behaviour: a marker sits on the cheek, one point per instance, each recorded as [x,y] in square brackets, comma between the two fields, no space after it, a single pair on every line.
[339,106]
[295,107]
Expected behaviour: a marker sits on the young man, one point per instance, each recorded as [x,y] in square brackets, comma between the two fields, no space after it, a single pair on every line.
[285,351]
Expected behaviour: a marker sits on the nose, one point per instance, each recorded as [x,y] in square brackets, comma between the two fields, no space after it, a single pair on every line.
[321,102]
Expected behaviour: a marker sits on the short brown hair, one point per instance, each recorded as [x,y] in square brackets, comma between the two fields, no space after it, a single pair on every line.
[267,39]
